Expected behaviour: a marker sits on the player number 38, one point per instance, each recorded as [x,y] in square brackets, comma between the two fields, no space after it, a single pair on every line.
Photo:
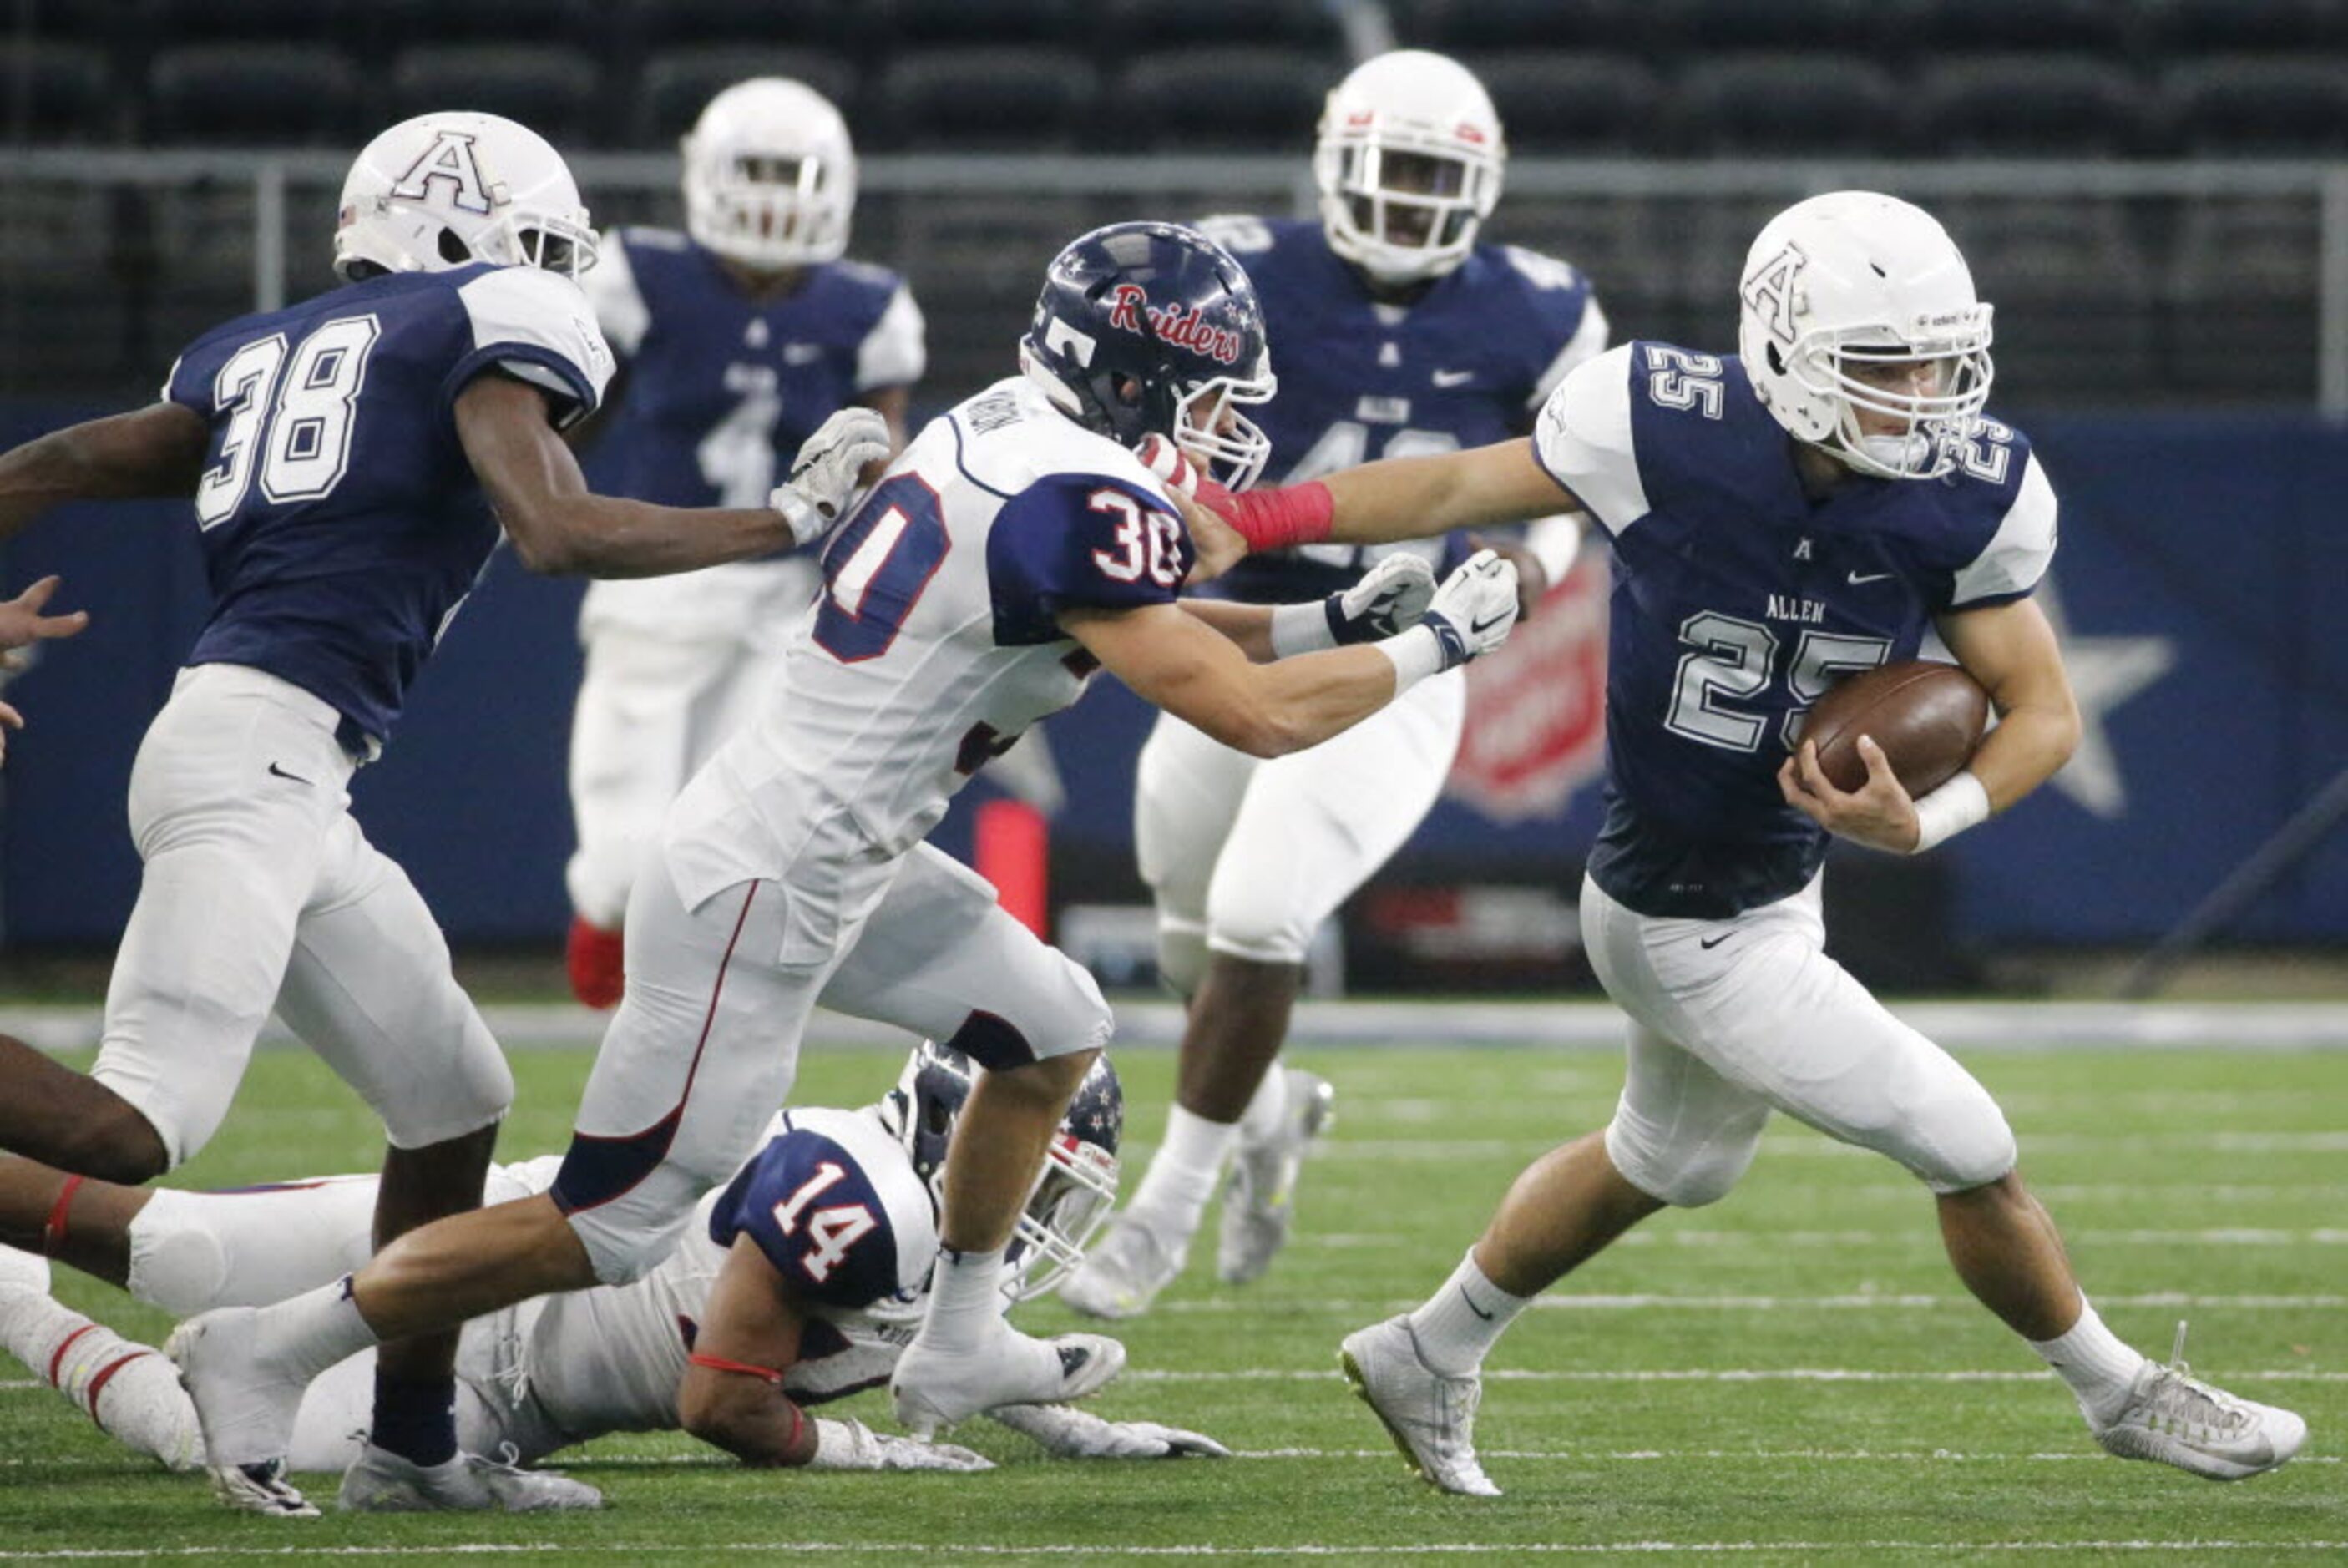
[294,418]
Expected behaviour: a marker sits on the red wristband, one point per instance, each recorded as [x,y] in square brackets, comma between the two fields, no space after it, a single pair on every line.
[1276,518]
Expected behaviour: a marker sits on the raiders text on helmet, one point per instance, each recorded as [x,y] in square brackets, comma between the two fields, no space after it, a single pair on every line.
[1153,329]
[1853,277]
[1408,162]
[450,189]
[770,175]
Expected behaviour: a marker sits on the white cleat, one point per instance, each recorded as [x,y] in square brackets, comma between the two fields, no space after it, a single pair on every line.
[1259,1203]
[934,1389]
[247,1410]
[381,1481]
[1431,1418]
[1123,1275]
[260,1489]
[2177,1419]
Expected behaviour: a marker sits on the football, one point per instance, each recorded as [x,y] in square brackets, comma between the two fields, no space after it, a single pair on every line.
[1928,716]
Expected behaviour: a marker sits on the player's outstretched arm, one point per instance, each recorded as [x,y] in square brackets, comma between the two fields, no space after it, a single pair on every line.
[562,528]
[1400,497]
[1390,598]
[158,450]
[2012,650]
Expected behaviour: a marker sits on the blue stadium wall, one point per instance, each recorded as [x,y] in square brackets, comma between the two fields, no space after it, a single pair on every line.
[2203,561]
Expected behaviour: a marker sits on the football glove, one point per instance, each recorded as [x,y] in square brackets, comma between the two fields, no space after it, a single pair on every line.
[1474,609]
[1068,1433]
[1390,598]
[823,480]
[853,1446]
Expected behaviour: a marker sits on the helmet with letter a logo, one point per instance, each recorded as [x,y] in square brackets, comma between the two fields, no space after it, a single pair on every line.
[1853,278]
[450,189]
[1153,329]
[1078,1183]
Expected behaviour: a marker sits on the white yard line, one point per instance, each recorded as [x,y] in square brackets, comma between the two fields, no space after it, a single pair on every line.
[1217,1305]
[1707,1375]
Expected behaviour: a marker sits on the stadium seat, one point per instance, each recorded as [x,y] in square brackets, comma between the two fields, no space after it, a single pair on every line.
[164,23]
[1772,105]
[676,84]
[1454,26]
[922,23]
[403,23]
[2189,28]
[670,24]
[957,100]
[1134,25]
[254,94]
[1689,29]
[1927,31]
[1258,99]
[551,90]
[2256,106]
[2055,105]
[1567,105]
[57,92]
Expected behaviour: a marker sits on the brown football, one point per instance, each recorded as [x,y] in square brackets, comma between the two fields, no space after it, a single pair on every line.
[1928,716]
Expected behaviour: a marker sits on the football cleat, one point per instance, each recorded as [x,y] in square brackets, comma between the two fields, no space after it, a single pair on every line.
[596,959]
[1259,1203]
[1120,1277]
[1431,1418]
[381,1481]
[2177,1419]
[934,1388]
[260,1489]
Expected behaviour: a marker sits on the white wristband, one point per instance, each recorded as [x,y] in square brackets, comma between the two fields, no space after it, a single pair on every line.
[1940,816]
[1417,655]
[1301,629]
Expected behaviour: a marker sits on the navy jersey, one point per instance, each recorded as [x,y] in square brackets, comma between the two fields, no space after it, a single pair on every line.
[1464,365]
[1738,599]
[832,1202]
[722,388]
[342,524]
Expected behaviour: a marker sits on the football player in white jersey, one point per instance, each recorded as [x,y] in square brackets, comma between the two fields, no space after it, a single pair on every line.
[825,1235]
[1020,543]
[1808,508]
[352,460]
[735,339]
[1398,331]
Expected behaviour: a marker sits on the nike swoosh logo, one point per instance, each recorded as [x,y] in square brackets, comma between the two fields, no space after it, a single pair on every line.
[281,773]
[1478,628]
[1709,942]
[1856,581]
[1472,1306]
[1454,377]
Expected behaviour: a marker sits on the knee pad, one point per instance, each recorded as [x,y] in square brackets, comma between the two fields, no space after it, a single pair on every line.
[1181,956]
[176,1262]
[1967,1145]
[1263,927]
[1687,1176]
[476,1092]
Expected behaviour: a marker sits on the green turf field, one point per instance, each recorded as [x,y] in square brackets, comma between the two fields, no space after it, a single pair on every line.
[1791,1376]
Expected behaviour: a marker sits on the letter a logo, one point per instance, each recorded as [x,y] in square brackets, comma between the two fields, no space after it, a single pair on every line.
[450,158]
[1769,292]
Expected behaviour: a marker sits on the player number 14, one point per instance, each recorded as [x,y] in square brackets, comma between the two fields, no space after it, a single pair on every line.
[831,1230]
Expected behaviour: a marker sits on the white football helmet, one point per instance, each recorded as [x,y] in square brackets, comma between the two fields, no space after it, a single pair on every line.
[450,189]
[1408,162]
[1855,276]
[770,175]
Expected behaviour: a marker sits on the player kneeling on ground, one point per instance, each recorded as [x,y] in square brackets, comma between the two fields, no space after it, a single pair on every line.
[797,1284]
[1803,511]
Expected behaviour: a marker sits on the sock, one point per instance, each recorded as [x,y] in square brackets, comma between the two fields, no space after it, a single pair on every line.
[1261,1122]
[1460,1323]
[302,1335]
[1183,1173]
[965,1299]
[2099,1366]
[416,1417]
[130,1391]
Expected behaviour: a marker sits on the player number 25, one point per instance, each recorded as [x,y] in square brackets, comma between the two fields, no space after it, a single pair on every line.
[1731,658]
[299,422]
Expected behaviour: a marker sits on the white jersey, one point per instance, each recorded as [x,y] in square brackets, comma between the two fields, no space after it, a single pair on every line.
[934,643]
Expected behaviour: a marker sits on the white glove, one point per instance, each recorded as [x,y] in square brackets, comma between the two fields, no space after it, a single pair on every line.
[1474,609]
[853,1446]
[1068,1433]
[823,479]
[1389,599]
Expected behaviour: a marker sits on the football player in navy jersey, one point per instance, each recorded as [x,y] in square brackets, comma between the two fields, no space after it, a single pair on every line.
[1030,536]
[1398,333]
[352,461]
[735,339]
[812,1260]
[1808,508]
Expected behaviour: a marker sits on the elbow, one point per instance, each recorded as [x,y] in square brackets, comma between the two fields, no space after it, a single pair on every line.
[547,552]
[708,1413]
[1264,734]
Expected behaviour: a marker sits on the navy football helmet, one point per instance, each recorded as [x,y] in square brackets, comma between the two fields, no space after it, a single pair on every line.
[1153,329]
[1077,1186]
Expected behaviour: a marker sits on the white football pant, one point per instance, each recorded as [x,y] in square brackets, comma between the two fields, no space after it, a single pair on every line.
[1730,1019]
[260,890]
[706,1043]
[675,665]
[1248,857]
